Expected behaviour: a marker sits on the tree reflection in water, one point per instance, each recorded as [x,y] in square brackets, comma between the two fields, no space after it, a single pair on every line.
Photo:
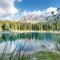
[32,39]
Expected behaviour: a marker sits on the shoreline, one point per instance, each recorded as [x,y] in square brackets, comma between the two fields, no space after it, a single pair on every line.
[27,31]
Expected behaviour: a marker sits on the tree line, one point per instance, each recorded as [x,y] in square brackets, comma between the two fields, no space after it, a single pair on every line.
[17,25]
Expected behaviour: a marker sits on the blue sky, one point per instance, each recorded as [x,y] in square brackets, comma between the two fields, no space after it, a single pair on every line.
[37,4]
[11,9]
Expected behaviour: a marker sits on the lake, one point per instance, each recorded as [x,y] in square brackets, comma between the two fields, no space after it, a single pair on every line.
[29,42]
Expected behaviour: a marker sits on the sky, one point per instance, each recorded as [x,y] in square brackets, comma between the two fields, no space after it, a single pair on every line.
[14,9]
[37,4]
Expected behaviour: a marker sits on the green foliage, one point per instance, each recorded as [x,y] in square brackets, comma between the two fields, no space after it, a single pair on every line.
[14,25]
[46,55]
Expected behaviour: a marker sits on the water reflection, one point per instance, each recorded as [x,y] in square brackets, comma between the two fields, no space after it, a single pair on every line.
[28,42]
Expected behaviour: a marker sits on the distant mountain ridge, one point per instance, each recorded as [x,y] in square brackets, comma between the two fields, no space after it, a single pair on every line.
[38,18]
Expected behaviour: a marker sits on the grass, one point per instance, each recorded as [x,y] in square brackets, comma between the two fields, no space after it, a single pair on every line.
[45,55]
[42,55]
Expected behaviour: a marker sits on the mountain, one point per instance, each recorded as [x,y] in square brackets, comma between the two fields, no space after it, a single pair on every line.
[37,18]
[33,18]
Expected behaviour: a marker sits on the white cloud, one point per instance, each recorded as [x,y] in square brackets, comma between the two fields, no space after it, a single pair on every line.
[38,14]
[2,11]
[45,12]
[9,11]
[52,9]
[32,12]
[7,7]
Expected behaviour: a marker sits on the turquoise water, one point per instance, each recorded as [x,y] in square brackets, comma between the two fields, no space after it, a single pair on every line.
[28,42]
[35,35]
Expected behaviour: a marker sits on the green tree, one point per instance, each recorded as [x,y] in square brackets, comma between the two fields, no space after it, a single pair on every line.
[4,26]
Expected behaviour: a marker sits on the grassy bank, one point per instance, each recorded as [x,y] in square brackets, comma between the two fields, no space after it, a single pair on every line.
[42,55]
[47,55]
